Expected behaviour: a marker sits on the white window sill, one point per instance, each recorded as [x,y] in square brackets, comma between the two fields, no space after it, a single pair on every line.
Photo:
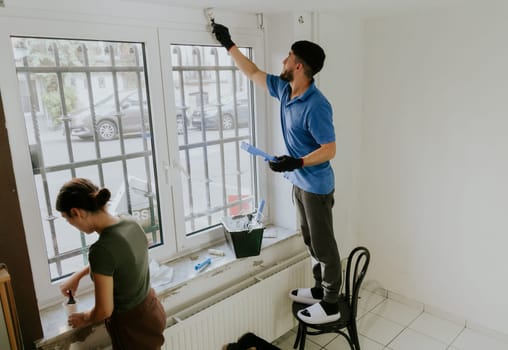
[186,287]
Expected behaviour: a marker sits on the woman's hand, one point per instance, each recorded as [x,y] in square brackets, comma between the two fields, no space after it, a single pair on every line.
[78,319]
[69,284]
[72,282]
[104,303]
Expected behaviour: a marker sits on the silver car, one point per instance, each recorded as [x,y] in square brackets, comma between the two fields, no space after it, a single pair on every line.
[107,118]
[229,118]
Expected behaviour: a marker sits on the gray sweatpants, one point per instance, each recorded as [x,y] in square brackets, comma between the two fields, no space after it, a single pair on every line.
[314,214]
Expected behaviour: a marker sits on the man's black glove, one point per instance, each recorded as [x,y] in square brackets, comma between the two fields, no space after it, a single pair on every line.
[222,35]
[286,163]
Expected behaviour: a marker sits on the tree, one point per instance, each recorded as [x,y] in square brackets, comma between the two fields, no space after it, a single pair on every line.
[53,104]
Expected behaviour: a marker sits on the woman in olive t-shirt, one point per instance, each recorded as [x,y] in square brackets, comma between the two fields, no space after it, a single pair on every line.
[134,317]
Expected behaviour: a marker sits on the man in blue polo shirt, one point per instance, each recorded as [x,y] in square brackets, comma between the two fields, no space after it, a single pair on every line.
[307,127]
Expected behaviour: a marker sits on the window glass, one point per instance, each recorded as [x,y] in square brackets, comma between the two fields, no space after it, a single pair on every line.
[214,114]
[86,114]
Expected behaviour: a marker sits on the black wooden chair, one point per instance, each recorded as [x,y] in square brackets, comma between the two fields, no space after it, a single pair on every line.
[357,264]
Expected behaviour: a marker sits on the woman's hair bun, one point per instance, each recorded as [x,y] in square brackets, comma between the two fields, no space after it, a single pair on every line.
[102,197]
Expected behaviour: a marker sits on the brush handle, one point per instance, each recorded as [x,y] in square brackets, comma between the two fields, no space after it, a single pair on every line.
[259,213]
[71,297]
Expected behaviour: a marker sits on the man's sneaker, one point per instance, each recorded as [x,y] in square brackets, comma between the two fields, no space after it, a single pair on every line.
[315,314]
[304,296]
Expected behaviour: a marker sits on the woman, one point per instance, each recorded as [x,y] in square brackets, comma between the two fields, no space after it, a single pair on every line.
[118,266]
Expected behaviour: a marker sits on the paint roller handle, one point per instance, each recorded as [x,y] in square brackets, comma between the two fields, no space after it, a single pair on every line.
[256,151]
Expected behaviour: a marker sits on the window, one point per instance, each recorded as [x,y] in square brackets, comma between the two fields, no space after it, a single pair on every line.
[155,116]
[88,132]
[216,114]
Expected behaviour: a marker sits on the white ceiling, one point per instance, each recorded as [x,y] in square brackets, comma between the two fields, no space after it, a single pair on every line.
[349,6]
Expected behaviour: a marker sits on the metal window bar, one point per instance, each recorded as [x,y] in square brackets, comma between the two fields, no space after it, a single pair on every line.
[150,194]
[197,54]
[40,163]
[120,126]
[39,167]
[178,52]
[215,55]
[237,146]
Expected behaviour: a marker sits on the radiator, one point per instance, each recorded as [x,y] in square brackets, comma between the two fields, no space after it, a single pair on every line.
[260,305]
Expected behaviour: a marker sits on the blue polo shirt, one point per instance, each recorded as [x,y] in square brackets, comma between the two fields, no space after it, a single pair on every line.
[307,123]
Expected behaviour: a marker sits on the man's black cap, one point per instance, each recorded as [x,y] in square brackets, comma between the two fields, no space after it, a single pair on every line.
[312,54]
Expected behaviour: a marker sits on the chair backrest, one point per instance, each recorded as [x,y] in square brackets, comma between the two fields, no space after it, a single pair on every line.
[357,264]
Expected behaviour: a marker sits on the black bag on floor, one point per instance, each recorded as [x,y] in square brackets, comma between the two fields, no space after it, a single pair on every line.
[250,340]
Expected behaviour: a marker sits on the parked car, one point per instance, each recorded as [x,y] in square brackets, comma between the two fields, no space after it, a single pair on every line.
[228,119]
[106,118]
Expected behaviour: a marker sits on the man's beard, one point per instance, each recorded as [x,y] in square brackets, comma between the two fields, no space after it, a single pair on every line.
[287,75]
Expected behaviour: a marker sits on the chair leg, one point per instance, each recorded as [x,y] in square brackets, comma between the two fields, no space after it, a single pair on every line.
[353,334]
[303,336]
[298,335]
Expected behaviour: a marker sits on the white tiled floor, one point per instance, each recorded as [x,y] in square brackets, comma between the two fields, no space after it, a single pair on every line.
[386,324]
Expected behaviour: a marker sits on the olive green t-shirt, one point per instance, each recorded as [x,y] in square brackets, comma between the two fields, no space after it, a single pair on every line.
[122,252]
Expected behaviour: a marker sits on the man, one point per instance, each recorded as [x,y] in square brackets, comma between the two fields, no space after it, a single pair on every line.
[307,127]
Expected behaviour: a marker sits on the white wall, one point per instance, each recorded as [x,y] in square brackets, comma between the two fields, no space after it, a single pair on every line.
[113,11]
[342,82]
[278,38]
[434,187]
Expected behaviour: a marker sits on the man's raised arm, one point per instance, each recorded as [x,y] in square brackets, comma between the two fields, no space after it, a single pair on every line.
[245,65]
